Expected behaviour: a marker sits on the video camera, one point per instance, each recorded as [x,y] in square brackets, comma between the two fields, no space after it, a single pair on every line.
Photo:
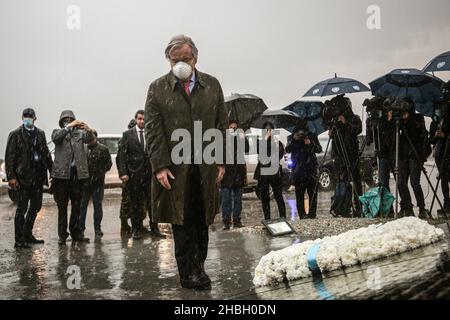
[334,108]
[398,106]
[375,108]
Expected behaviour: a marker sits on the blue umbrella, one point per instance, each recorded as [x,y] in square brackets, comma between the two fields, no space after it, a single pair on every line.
[422,88]
[440,63]
[311,111]
[335,86]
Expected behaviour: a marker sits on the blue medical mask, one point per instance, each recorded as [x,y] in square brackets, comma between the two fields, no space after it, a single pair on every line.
[28,122]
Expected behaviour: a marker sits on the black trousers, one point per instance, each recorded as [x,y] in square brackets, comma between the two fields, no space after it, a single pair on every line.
[63,191]
[139,198]
[300,198]
[410,170]
[444,175]
[191,239]
[29,203]
[276,183]
[355,176]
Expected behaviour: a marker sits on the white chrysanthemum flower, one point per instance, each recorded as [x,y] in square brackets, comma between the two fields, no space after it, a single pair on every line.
[347,249]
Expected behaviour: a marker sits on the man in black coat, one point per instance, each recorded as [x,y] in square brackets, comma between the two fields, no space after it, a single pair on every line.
[344,136]
[99,163]
[270,180]
[412,125]
[235,177]
[303,148]
[135,170]
[27,161]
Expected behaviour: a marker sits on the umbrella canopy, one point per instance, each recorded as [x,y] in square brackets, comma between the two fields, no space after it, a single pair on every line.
[244,108]
[311,111]
[440,63]
[376,201]
[334,86]
[422,88]
[280,119]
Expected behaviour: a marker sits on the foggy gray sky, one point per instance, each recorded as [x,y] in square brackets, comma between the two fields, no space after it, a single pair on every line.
[274,49]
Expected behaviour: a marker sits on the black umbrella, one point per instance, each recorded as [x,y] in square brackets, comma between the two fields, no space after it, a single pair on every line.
[244,108]
[335,86]
[440,63]
[422,88]
[280,119]
[311,111]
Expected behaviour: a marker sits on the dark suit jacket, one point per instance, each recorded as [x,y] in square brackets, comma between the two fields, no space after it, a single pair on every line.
[133,160]
[18,157]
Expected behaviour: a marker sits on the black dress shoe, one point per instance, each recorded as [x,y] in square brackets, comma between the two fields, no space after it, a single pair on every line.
[311,216]
[21,245]
[98,234]
[79,238]
[137,235]
[157,234]
[197,282]
[33,240]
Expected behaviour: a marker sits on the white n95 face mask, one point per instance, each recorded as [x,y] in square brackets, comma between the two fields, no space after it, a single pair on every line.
[182,70]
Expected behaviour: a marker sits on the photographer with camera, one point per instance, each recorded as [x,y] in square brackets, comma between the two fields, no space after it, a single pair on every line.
[303,147]
[70,173]
[344,128]
[379,132]
[412,154]
[439,138]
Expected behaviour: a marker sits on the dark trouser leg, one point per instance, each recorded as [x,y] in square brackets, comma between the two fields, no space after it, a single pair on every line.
[97,199]
[76,190]
[61,196]
[312,196]
[358,187]
[23,197]
[34,208]
[191,239]
[403,176]
[263,186]
[226,204]
[415,169]
[125,203]
[237,203]
[137,202]
[277,188]
[445,191]
[384,172]
[86,196]
[300,199]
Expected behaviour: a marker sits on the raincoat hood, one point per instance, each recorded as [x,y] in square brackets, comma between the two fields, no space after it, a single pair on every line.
[65,114]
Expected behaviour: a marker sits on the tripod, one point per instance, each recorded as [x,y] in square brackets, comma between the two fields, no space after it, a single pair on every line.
[441,168]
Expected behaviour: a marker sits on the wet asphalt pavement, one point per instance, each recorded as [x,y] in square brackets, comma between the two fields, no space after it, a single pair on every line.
[117,268]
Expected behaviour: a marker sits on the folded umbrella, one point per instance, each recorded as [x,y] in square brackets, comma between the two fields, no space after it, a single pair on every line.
[422,88]
[335,86]
[439,63]
[376,201]
[244,108]
[311,111]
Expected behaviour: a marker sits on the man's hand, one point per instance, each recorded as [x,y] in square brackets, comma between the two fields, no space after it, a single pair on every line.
[163,176]
[389,115]
[124,178]
[307,141]
[405,115]
[13,183]
[220,173]
[439,134]
[342,119]
[85,126]
[74,123]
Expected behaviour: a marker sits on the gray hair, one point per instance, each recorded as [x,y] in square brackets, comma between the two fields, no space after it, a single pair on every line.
[178,41]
